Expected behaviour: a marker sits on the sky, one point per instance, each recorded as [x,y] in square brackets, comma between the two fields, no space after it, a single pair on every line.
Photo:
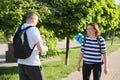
[117,2]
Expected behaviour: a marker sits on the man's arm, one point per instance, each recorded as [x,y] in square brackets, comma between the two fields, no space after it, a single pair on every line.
[41,47]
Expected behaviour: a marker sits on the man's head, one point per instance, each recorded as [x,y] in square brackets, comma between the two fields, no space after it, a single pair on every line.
[32,18]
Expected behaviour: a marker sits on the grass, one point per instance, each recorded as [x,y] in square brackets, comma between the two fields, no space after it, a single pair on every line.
[56,70]
[115,41]
[112,48]
[53,70]
[8,73]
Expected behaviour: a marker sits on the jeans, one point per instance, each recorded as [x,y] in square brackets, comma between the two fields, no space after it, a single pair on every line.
[30,72]
[96,71]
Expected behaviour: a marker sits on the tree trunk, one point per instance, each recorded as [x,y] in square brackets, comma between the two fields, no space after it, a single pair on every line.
[113,38]
[67,51]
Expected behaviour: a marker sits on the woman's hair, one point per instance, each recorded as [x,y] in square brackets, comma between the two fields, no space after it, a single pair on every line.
[96,27]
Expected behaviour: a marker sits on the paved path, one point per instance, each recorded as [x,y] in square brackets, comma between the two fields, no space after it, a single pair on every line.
[114,69]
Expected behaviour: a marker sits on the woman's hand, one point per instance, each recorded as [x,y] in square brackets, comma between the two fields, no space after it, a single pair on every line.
[78,68]
[106,70]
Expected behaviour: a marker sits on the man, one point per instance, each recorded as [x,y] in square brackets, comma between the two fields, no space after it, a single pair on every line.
[30,68]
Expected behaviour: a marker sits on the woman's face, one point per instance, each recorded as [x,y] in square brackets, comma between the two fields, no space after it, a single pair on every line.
[90,31]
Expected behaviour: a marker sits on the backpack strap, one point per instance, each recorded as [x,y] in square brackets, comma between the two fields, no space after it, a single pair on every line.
[84,40]
[33,47]
[20,28]
[98,40]
[25,30]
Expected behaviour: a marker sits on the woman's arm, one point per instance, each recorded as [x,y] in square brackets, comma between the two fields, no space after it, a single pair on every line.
[105,61]
[79,61]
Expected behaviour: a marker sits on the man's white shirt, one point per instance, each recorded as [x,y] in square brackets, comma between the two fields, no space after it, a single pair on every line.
[33,35]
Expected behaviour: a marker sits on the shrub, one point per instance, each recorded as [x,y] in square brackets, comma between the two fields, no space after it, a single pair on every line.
[51,42]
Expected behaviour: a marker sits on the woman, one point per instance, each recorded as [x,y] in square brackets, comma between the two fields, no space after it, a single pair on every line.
[92,54]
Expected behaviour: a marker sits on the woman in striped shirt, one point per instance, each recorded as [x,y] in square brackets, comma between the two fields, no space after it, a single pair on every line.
[93,52]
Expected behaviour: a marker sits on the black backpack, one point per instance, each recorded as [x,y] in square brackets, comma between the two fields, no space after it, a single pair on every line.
[21,46]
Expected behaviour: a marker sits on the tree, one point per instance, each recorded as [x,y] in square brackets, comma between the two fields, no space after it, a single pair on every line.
[13,13]
[117,33]
[67,19]
[64,18]
[71,16]
[105,13]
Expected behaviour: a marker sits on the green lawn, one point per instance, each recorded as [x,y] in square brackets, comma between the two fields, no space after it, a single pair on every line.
[53,70]
[115,41]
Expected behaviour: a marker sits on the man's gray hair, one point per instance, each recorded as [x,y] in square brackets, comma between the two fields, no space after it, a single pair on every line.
[30,15]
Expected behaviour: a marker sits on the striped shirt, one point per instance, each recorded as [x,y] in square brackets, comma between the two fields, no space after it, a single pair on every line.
[91,50]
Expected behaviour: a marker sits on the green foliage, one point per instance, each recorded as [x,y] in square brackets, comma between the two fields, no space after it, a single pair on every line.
[2,38]
[60,17]
[71,16]
[1,35]
[117,33]
[51,41]
[13,13]
[66,17]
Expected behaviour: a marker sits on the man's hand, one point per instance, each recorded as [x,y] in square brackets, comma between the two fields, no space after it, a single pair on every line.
[42,37]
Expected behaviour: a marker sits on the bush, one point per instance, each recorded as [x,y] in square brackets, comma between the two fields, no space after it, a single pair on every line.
[51,42]
[2,38]
[1,35]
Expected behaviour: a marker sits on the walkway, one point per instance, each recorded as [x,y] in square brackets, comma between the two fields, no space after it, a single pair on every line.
[114,69]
